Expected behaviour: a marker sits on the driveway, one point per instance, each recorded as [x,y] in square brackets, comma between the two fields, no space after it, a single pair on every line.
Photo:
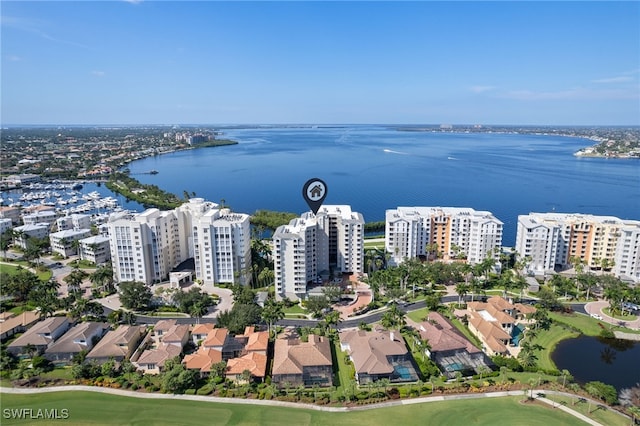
[225,303]
[598,308]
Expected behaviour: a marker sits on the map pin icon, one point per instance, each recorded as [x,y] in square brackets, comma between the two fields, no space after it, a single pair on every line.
[314,192]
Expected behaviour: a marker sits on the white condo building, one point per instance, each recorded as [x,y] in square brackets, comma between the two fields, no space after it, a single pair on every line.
[147,246]
[551,240]
[74,221]
[62,242]
[456,231]
[313,245]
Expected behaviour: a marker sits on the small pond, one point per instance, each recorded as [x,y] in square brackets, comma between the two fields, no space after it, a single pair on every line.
[612,361]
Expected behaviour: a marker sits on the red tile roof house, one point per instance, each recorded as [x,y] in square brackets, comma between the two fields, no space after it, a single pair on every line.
[79,338]
[202,360]
[493,322]
[298,363]
[253,357]
[200,331]
[41,335]
[118,344]
[378,355]
[169,338]
[450,350]
[218,345]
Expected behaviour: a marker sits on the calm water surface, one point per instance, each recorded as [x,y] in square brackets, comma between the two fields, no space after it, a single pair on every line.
[377,168]
[612,361]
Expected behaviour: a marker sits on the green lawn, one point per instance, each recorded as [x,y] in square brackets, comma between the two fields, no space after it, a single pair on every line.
[88,408]
[625,317]
[467,333]
[373,244]
[548,339]
[601,416]
[346,372]
[11,270]
[295,309]
[418,315]
[586,324]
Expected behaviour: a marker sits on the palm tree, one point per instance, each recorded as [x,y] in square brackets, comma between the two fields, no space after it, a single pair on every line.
[423,347]
[198,310]
[475,287]
[74,280]
[272,312]
[102,278]
[461,289]
[332,319]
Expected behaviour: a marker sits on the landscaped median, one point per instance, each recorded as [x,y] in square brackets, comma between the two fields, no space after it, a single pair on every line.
[87,405]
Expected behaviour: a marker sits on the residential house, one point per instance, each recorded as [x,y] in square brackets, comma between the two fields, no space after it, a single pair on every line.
[12,324]
[168,339]
[220,340]
[40,336]
[216,345]
[202,360]
[118,344]
[450,349]
[296,362]
[152,361]
[493,322]
[200,332]
[79,338]
[253,357]
[378,355]
[253,362]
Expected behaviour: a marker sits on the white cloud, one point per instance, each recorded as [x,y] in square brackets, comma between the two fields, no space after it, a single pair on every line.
[13,58]
[481,89]
[98,73]
[621,79]
[133,1]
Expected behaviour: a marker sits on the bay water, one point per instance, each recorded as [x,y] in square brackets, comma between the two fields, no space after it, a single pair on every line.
[375,168]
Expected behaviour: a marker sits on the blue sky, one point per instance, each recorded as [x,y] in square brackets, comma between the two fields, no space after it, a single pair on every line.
[160,62]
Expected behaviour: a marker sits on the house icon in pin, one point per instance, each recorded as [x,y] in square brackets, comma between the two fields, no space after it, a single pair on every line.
[316,191]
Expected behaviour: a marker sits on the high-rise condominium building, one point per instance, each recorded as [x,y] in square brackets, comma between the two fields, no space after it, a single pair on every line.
[557,240]
[315,245]
[457,233]
[147,246]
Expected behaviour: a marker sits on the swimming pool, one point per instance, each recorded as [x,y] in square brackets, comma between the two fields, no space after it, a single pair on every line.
[405,373]
[517,334]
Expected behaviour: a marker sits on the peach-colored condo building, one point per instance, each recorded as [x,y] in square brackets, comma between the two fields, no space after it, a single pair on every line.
[458,232]
[553,240]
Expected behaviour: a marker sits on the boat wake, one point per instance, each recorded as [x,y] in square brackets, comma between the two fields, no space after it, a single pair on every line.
[394,152]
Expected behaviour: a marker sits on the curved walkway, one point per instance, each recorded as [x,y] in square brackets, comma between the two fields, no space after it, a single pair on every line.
[598,308]
[421,400]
